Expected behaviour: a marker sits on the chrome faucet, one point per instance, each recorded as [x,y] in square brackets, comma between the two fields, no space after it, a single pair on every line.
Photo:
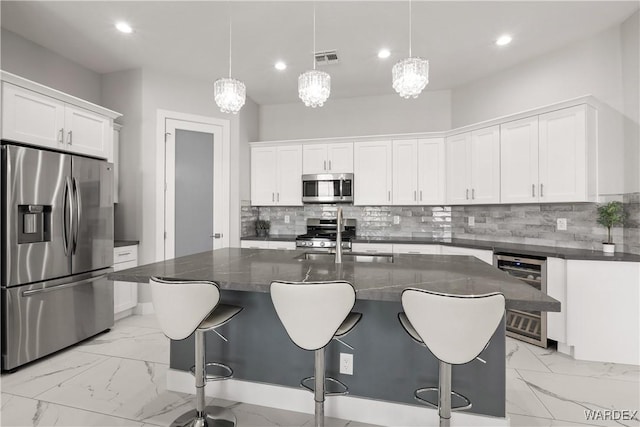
[340,227]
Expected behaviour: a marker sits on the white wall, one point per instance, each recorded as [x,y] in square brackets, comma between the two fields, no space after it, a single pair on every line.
[591,66]
[371,115]
[630,37]
[122,92]
[34,62]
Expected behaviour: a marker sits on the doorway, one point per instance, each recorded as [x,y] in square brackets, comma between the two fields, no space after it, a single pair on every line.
[196,197]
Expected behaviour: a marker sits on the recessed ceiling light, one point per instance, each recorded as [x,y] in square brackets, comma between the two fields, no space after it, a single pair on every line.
[280,65]
[124,27]
[384,53]
[503,40]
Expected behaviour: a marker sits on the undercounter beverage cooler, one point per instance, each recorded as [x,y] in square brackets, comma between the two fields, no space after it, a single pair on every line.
[57,248]
[528,326]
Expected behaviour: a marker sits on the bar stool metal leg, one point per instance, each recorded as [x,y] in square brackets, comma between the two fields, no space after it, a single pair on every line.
[209,416]
[444,394]
[319,387]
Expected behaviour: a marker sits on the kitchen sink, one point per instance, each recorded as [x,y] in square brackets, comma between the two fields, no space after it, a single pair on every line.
[346,257]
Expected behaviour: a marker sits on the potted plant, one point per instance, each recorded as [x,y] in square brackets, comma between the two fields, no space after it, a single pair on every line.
[610,215]
[262,227]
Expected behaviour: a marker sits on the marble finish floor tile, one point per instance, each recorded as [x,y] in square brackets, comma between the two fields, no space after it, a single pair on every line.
[142,321]
[521,399]
[131,342]
[519,355]
[127,388]
[567,397]
[38,377]
[20,411]
[563,364]
[525,421]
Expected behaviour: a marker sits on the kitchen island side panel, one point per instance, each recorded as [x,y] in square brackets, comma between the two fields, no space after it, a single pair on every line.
[388,364]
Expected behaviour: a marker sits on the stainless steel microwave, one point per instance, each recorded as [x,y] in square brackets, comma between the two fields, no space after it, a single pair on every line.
[327,188]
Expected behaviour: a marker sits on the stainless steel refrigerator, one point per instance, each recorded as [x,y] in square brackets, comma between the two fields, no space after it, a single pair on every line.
[57,247]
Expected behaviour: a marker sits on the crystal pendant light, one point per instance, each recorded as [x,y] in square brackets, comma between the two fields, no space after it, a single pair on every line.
[411,74]
[230,94]
[314,87]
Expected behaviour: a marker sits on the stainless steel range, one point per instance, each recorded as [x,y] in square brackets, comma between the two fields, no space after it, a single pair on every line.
[321,234]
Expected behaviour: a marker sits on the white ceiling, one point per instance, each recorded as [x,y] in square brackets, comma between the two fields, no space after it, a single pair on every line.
[191,37]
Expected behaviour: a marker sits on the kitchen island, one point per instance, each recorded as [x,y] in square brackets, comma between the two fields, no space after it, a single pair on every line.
[388,366]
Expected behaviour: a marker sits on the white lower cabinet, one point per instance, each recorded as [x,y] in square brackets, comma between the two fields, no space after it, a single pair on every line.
[603,310]
[557,288]
[416,249]
[375,248]
[267,244]
[481,254]
[125,294]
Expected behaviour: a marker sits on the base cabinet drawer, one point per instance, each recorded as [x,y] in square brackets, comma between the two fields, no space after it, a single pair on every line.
[125,294]
[264,244]
[375,248]
[416,249]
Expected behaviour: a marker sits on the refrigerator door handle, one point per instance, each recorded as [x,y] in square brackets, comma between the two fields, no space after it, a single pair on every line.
[66,232]
[76,192]
[59,287]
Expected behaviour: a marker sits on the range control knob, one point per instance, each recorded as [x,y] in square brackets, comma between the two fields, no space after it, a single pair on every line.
[321,244]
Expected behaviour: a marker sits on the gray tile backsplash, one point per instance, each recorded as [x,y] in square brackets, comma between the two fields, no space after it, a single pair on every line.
[530,224]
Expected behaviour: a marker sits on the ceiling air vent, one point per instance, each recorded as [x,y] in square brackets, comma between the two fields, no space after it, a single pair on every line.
[327,57]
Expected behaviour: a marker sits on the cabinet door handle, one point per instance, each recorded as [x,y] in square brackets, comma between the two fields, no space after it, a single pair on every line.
[467,193]
[273,197]
[473,193]
[329,164]
[541,190]
[415,195]
[533,190]
[61,135]
[389,196]
[69,137]
[420,195]
[325,165]
[278,196]
[124,253]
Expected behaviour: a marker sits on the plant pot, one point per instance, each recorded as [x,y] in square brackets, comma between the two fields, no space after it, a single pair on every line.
[262,232]
[608,248]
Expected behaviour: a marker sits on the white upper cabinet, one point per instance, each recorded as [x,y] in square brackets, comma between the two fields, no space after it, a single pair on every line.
[39,119]
[546,158]
[473,167]
[519,161]
[564,144]
[458,169]
[32,118]
[418,171]
[276,175]
[372,173]
[485,165]
[405,172]
[327,158]
[87,133]
[431,171]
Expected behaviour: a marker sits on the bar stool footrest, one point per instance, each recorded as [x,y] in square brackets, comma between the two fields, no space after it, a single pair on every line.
[340,384]
[464,406]
[211,377]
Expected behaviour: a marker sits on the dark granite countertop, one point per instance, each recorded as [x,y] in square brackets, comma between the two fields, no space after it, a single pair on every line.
[120,243]
[254,270]
[501,247]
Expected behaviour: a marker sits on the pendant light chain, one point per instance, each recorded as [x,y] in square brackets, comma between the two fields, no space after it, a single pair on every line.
[410,34]
[313,54]
[230,26]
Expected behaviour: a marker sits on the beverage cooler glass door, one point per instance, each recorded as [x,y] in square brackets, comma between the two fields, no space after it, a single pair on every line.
[36,213]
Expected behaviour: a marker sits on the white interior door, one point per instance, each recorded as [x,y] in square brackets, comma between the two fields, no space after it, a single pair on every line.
[194,203]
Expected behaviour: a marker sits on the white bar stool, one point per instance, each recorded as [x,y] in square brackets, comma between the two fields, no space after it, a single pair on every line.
[314,313]
[185,307]
[455,328]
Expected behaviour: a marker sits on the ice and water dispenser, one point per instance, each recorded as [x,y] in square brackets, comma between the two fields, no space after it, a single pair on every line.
[34,223]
